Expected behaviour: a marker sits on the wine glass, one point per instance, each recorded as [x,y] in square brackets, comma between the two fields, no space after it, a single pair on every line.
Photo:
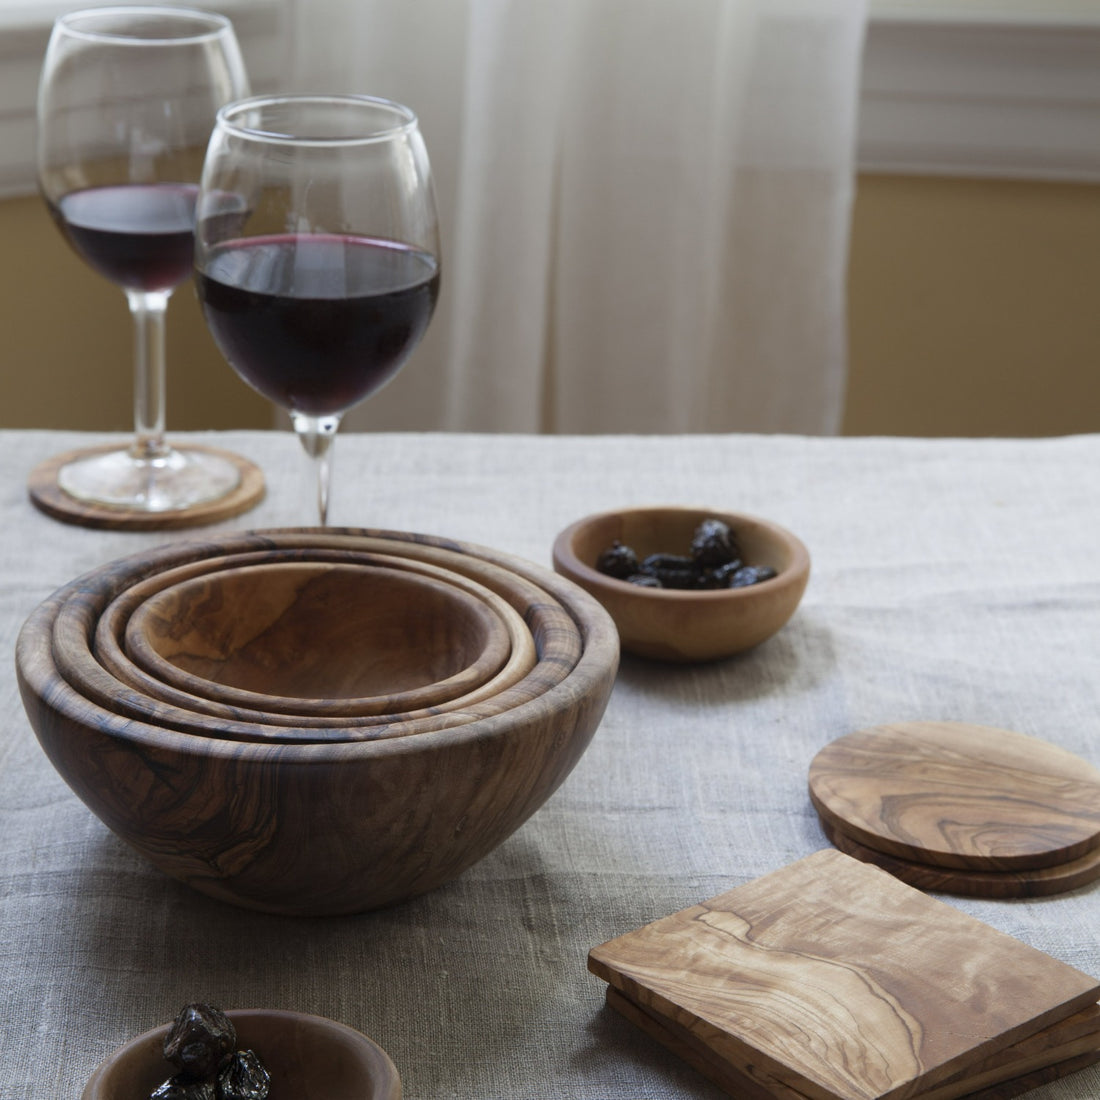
[320,295]
[126,103]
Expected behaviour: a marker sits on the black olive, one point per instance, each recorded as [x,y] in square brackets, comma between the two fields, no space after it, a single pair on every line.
[672,570]
[644,580]
[751,574]
[243,1078]
[713,544]
[617,561]
[200,1039]
[183,1088]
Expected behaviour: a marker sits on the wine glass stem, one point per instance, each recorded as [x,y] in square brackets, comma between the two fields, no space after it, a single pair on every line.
[148,309]
[317,435]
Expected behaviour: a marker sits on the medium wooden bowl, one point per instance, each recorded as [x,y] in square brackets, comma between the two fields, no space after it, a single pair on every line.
[308,1057]
[320,828]
[319,638]
[555,637]
[112,624]
[677,625]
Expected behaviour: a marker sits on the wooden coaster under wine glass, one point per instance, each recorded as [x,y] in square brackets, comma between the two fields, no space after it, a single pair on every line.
[48,496]
[961,796]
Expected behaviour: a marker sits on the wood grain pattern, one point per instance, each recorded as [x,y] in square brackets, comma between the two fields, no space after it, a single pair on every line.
[838,981]
[959,795]
[128,690]
[1017,1072]
[1043,882]
[308,1057]
[316,828]
[49,498]
[320,638]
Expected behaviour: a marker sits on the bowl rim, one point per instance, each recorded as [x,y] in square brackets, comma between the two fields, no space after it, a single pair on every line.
[566,560]
[464,681]
[561,648]
[268,727]
[599,656]
[390,1075]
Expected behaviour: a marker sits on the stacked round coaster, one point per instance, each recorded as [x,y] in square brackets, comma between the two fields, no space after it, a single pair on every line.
[961,809]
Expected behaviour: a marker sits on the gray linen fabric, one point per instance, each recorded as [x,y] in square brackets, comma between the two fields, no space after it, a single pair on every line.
[951,580]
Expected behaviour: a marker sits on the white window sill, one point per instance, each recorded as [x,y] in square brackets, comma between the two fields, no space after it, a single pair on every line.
[25,29]
[993,88]
[1000,88]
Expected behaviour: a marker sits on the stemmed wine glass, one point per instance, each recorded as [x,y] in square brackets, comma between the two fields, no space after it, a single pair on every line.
[126,103]
[319,297]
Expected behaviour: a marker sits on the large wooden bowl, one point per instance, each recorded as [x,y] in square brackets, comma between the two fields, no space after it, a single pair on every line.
[308,1057]
[318,828]
[119,686]
[684,626]
[319,638]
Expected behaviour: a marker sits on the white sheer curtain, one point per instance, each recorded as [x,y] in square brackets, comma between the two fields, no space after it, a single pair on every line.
[645,205]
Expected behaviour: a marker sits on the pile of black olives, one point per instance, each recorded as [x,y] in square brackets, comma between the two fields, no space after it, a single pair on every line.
[714,561]
[201,1045]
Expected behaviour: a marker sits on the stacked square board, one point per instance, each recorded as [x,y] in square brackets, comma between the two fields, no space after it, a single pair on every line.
[831,979]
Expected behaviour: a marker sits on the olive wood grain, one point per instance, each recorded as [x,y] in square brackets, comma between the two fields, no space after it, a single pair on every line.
[1041,882]
[319,638]
[1013,1072]
[959,795]
[556,637]
[320,828]
[48,497]
[840,982]
[110,627]
[308,1057]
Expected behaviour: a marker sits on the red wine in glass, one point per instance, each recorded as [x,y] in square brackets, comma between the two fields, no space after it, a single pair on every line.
[317,322]
[138,235]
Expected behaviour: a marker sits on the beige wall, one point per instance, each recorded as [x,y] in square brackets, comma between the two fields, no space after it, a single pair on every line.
[971,313]
[973,308]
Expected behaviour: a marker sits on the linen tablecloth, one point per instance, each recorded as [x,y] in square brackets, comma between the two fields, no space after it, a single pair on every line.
[951,580]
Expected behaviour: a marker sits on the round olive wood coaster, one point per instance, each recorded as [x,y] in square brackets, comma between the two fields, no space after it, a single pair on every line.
[961,796]
[49,497]
[1041,882]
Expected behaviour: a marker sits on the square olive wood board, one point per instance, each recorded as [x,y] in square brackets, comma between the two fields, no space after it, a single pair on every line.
[1054,1052]
[834,979]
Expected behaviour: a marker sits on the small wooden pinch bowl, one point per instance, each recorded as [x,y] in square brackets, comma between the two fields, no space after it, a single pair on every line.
[322,828]
[319,638]
[308,1057]
[675,625]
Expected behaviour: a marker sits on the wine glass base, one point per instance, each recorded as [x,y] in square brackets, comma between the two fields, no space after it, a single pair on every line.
[204,506]
[171,481]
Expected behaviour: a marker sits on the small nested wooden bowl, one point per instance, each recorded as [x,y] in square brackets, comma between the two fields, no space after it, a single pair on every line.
[328,827]
[668,624]
[97,606]
[308,1057]
[319,638]
[114,621]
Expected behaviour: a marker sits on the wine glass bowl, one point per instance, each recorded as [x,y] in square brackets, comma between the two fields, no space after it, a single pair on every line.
[126,102]
[320,290]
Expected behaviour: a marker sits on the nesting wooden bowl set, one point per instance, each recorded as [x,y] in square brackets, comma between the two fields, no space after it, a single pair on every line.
[316,721]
